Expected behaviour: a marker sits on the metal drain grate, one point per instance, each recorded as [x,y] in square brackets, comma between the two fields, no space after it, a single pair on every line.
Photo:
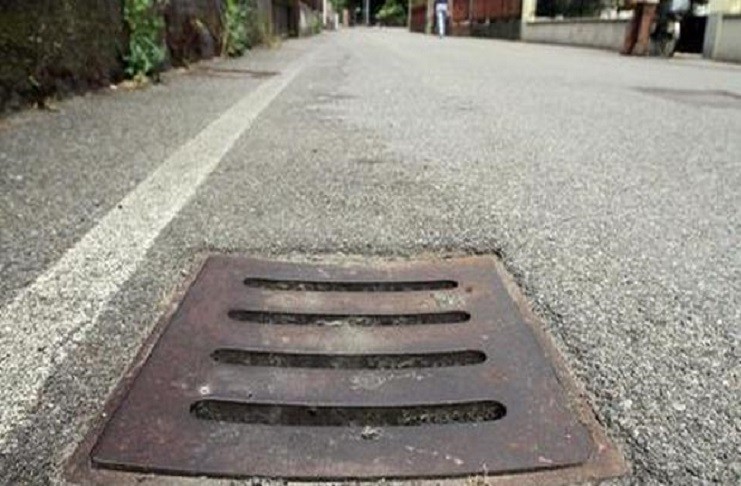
[317,372]
[230,72]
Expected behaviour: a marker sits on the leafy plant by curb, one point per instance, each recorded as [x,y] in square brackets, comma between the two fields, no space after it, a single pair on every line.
[316,24]
[241,29]
[146,47]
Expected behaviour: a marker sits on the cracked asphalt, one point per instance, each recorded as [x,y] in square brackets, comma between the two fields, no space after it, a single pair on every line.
[609,187]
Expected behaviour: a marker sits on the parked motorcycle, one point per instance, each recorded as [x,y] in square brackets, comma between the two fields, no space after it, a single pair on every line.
[666,29]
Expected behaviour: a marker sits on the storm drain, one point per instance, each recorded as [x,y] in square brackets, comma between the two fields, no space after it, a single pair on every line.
[337,372]
[230,72]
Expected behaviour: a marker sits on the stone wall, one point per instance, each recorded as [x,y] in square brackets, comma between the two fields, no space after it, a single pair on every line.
[194,29]
[600,33]
[50,46]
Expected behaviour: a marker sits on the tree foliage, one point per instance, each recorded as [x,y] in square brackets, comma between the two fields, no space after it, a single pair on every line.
[339,5]
[393,12]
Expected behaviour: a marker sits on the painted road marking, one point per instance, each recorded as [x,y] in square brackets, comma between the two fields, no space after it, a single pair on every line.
[37,327]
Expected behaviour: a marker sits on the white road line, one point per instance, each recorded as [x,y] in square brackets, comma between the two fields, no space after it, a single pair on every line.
[66,301]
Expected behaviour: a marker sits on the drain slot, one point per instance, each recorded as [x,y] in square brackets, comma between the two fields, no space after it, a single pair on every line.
[348,361]
[262,317]
[305,415]
[319,286]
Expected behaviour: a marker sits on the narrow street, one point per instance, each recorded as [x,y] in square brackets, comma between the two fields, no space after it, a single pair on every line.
[608,186]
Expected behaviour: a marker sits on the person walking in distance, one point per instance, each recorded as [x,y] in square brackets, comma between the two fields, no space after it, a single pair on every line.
[639,29]
[441,10]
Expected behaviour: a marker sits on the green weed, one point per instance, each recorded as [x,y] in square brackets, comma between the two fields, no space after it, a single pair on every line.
[146,47]
[241,27]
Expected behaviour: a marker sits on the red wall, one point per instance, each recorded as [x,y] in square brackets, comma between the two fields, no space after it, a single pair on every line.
[494,9]
[481,10]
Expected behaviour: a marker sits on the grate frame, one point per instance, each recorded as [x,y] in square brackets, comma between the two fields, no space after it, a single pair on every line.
[137,444]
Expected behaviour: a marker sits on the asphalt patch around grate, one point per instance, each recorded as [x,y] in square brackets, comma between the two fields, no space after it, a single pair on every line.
[367,386]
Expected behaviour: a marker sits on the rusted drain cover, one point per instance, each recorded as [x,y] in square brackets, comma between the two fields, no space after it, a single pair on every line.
[230,72]
[317,372]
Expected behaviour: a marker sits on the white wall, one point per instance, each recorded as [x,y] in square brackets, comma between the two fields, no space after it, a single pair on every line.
[725,6]
[723,37]
[605,34]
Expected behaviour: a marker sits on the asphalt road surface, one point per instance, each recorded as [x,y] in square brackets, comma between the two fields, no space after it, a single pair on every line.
[609,187]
